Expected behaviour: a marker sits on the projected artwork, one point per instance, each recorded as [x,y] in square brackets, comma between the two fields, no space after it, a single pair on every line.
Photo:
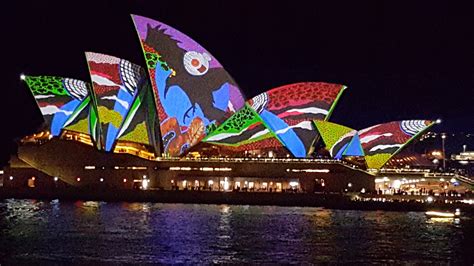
[141,122]
[115,82]
[59,99]
[354,148]
[381,142]
[336,137]
[193,92]
[80,123]
[290,109]
[245,130]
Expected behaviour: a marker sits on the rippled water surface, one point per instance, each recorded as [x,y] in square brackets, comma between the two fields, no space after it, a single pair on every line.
[100,232]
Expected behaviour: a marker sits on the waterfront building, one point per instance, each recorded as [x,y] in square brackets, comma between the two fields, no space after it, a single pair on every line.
[182,122]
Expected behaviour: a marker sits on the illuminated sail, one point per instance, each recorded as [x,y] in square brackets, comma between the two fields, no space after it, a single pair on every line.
[336,137]
[381,142]
[116,83]
[289,110]
[245,130]
[193,92]
[58,99]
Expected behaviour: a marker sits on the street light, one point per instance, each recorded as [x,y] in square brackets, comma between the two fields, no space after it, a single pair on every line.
[443,137]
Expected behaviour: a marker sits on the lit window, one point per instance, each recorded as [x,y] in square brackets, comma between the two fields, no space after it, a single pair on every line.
[251,184]
[226,184]
[145,184]
[293,184]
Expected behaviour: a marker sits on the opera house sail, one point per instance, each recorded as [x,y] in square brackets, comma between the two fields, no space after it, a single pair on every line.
[183,103]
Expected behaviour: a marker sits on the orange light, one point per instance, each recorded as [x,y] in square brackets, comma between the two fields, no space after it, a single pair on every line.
[125,180]
[33,178]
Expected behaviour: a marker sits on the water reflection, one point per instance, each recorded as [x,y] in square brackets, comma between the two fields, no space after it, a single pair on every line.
[434,220]
[92,232]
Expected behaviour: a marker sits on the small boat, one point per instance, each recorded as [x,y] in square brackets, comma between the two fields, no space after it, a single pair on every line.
[444,214]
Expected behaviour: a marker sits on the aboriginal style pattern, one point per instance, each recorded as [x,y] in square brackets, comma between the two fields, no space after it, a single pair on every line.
[336,137]
[59,99]
[381,142]
[187,98]
[115,82]
[192,89]
[245,127]
[289,110]
[141,124]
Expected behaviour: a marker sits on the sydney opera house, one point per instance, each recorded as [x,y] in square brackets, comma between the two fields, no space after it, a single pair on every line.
[182,122]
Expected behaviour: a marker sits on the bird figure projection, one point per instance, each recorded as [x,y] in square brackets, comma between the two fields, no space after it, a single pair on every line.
[194,92]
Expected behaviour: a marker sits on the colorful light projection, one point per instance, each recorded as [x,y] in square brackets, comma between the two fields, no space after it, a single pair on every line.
[193,92]
[115,83]
[381,142]
[245,130]
[289,110]
[141,122]
[338,138]
[59,99]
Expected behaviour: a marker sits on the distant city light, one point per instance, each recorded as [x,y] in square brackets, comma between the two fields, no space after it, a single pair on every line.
[101,180]
[429,199]
[441,214]
[125,180]
[438,121]
[56,179]
[396,184]
[226,184]
[145,183]
[293,183]
[22,76]
[78,179]
[457,212]
[11,177]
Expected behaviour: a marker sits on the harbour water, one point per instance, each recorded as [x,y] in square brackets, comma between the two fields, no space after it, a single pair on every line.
[90,232]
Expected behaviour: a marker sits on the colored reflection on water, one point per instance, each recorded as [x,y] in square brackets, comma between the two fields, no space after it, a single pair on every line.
[100,232]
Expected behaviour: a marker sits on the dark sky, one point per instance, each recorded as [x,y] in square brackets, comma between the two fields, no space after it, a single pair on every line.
[399,60]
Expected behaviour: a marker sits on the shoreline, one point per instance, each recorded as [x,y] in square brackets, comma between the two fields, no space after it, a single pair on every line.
[330,201]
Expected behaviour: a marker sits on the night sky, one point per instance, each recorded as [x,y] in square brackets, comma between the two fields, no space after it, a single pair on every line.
[400,61]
